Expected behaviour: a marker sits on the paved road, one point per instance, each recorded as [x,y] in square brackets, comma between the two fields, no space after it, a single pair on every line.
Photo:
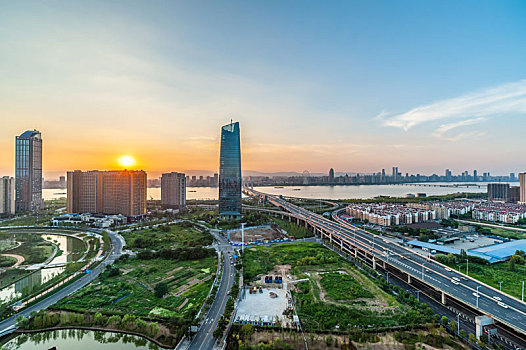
[117,242]
[204,338]
[417,266]
[492,225]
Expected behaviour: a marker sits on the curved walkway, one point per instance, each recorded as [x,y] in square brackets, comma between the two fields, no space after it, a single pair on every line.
[19,259]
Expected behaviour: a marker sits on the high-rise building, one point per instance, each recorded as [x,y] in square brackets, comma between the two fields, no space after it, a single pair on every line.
[514,194]
[395,173]
[62,181]
[331,175]
[522,179]
[498,192]
[107,192]
[448,175]
[173,190]
[230,172]
[28,171]
[7,195]
[475,176]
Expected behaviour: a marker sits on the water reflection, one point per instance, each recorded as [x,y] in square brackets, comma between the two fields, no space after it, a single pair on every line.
[29,283]
[71,248]
[79,340]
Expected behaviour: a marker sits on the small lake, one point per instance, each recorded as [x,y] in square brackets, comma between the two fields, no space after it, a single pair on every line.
[79,340]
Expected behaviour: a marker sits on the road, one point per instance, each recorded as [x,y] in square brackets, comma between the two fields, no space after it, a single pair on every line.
[204,338]
[117,243]
[492,225]
[417,266]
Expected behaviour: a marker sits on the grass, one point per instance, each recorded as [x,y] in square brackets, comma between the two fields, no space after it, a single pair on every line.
[132,290]
[292,228]
[340,286]
[182,234]
[352,299]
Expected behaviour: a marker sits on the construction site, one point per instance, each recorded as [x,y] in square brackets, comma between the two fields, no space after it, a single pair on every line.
[256,234]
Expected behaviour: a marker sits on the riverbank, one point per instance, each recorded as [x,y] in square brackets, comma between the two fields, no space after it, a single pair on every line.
[95,329]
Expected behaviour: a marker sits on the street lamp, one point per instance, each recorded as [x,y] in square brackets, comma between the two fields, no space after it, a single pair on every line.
[467,267]
[387,274]
[423,276]
[522,290]
[500,286]
[478,296]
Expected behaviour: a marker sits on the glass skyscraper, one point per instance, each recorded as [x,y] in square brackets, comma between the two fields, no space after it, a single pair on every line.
[28,171]
[230,172]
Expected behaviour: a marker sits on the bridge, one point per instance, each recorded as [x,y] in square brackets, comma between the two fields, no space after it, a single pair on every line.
[444,284]
[456,185]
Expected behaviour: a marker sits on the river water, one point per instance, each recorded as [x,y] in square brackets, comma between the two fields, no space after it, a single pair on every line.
[325,192]
[78,340]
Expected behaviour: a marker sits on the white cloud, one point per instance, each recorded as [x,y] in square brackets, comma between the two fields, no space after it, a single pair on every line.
[503,99]
[444,128]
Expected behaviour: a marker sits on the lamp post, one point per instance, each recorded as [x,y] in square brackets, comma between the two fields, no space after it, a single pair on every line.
[522,290]
[387,274]
[500,286]
[423,276]
[478,296]
[467,267]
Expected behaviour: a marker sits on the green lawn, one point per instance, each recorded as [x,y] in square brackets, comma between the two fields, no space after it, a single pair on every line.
[341,286]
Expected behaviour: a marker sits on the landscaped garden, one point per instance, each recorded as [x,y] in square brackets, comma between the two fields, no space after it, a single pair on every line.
[167,282]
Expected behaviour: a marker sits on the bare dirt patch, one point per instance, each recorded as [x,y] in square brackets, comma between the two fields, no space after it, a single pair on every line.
[269,233]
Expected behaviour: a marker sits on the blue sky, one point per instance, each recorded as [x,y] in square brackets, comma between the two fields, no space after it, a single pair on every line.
[358,86]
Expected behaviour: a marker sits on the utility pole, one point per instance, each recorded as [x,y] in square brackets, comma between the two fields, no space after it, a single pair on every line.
[467,267]
[478,296]
[242,237]
[500,286]
[423,276]
[458,324]
[522,290]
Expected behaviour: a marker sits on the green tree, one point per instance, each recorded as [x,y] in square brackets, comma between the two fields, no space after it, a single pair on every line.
[160,289]
[462,333]
[114,320]
[247,330]
[443,320]
[140,324]
[99,319]
[472,337]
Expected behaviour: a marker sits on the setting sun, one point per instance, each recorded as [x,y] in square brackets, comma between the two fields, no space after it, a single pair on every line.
[127,161]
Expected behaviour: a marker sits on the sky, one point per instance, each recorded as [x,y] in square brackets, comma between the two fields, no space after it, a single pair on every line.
[353,85]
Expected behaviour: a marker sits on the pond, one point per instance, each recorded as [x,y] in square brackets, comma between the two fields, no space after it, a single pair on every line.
[79,340]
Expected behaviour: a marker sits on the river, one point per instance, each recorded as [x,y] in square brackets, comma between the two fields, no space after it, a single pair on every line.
[325,192]
[78,340]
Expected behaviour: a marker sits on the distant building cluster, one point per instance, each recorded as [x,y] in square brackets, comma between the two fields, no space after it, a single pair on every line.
[509,213]
[95,220]
[381,177]
[386,214]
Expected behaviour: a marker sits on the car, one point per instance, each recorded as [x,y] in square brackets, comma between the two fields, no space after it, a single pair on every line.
[475,294]
[448,269]
[455,282]
[463,278]
[456,279]
[497,298]
[501,304]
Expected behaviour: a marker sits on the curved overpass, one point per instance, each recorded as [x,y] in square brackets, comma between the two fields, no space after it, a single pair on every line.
[360,243]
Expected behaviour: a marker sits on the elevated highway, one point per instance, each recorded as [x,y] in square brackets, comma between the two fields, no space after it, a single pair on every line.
[446,283]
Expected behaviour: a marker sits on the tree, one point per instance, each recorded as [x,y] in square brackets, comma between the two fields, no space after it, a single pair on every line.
[99,319]
[160,289]
[114,271]
[140,324]
[453,325]
[462,333]
[114,320]
[247,330]
[472,337]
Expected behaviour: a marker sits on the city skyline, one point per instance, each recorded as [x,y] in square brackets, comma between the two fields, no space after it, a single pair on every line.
[314,86]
